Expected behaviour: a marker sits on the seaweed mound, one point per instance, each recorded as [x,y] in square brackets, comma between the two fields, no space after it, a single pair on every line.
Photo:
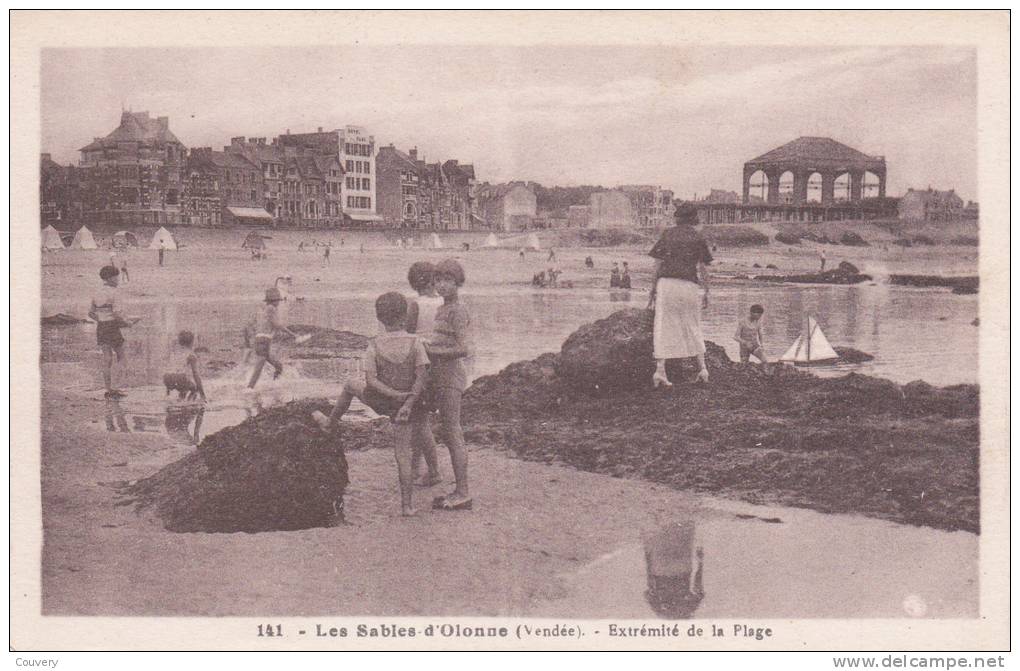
[277,471]
[844,273]
[611,354]
[324,338]
[764,434]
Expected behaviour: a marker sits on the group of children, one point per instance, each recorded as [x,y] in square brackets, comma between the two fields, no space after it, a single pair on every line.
[416,365]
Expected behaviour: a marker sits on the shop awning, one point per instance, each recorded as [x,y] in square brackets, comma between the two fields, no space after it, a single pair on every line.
[358,216]
[249,212]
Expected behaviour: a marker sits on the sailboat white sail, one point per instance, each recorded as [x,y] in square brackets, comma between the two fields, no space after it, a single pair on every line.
[811,346]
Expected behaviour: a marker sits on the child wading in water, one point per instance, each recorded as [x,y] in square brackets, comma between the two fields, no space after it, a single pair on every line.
[265,324]
[109,322]
[421,318]
[749,335]
[186,381]
[448,348]
[396,366]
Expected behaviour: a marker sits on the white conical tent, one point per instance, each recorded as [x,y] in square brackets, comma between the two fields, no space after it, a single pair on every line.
[51,239]
[434,242]
[491,241]
[532,242]
[811,346]
[83,240]
[163,238]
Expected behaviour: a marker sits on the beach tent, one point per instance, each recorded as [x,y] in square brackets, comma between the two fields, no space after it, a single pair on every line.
[811,346]
[254,240]
[491,241]
[51,239]
[83,239]
[125,239]
[166,238]
[532,242]
[434,242]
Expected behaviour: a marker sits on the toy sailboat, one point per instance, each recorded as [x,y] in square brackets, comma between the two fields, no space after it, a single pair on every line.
[810,347]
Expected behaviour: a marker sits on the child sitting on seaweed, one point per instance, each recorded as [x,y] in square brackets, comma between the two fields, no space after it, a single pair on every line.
[186,380]
[396,366]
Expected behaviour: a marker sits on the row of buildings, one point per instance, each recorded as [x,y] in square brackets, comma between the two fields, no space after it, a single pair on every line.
[142,174]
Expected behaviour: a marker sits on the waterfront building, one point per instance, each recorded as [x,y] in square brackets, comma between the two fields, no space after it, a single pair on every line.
[931,205]
[507,207]
[134,174]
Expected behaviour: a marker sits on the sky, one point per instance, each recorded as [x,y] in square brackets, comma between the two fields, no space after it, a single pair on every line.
[683,118]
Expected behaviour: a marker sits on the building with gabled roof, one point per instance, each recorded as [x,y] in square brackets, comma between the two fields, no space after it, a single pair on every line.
[133,175]
[813,162]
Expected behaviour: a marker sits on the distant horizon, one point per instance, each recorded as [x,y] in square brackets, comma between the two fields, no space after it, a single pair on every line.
[682,119]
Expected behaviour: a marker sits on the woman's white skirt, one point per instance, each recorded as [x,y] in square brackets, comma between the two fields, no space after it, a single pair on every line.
[677,331]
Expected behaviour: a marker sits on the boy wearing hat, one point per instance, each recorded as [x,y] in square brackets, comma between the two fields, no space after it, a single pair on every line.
[266,324]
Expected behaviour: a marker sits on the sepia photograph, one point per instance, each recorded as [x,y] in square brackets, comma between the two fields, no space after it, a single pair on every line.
[474,342]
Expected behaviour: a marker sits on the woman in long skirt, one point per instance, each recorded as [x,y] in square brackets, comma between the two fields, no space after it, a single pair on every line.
[679,294]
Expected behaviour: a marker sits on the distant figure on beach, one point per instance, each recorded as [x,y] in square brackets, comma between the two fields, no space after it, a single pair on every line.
[363,248]
[325,253]
[124,268]
[538,279]
[396,368]
[186,380]
[301,246]
[625,277]
[162,251]
[552,255]
[589,262]
[421,318]
[821,256]
[749,335]
[265,324]
[109,321]
[614,276]
[521,253]
[679,293]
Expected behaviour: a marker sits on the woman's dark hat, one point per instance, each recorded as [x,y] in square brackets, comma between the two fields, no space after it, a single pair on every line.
[686,213]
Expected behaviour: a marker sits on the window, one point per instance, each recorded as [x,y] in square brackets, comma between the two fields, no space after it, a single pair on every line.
[350,166]
[366,184]
[350,201]
[350,182]
[368,167]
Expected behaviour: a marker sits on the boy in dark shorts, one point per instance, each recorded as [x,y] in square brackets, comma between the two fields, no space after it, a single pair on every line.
[109,322]
[186,380]
[266,323]
[396,366]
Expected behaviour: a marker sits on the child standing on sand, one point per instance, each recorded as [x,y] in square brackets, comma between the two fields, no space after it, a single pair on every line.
[749,335]
[449,349]
[109,321]
[396,366]
[265,324]
[186,380]
[421,318]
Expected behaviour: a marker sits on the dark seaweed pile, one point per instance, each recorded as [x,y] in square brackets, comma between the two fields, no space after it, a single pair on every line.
[276,471]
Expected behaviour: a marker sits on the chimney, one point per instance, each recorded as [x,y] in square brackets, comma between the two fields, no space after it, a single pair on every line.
[164,122]
[237,141]
[47,157]
[288,131]
[320,129]
[413,153]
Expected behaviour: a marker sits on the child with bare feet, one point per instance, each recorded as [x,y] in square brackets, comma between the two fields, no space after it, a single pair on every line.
[421,317]
[186,381]
[396,366]
[450,350]
[266,324]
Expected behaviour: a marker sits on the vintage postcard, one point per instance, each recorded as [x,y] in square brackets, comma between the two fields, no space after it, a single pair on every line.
[510,330]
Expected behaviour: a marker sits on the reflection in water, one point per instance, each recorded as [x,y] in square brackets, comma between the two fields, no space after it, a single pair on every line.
[899,326]
[115,419]
[674,571]
[179,419]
